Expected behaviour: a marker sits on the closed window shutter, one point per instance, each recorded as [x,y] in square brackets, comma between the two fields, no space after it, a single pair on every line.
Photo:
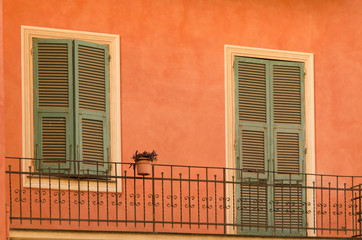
[270,136]
[288,117]
[53,104]
[252,131]
[252,115]
[288,135]
[92,106]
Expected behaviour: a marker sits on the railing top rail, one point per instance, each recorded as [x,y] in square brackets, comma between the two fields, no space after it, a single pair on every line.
[205,167]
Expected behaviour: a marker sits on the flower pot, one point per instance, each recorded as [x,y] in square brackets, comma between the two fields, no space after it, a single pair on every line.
[144,166]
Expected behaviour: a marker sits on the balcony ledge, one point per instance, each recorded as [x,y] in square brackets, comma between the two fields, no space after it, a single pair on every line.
[85,235]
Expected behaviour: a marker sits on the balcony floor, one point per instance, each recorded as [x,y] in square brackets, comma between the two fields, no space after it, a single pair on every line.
[66,235]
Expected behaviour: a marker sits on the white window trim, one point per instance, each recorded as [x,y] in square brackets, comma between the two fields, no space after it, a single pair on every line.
[231,52]
[113,41]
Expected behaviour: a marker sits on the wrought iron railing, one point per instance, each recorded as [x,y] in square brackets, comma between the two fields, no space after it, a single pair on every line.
[184,199]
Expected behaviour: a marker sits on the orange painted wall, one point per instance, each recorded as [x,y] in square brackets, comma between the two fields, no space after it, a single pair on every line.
[172,68]
[3,219]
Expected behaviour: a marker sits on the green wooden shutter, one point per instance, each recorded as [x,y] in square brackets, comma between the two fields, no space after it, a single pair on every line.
[53,103]
[92,106]
[269,117]
[288,141]
[252,114]
[252,148]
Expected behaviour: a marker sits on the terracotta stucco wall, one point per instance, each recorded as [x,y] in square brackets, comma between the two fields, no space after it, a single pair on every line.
[3,219]
[172,68]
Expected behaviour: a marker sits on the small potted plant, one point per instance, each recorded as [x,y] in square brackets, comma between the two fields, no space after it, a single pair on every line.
[143,161]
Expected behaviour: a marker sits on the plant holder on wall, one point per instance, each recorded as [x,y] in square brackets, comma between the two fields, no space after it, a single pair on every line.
[144,161]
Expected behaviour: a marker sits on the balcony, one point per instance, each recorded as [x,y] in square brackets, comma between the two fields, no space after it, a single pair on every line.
[182,199]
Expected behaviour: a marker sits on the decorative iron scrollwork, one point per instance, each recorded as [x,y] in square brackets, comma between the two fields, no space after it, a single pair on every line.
[222,199]
[114,195]
[135,197]
[156,204]
[337,206]
[79,195]
[20,199]
[189,198]
[321,205]
[172,197]
[59,194]
[42,200]
[207,200]
[97,194]
[353,208]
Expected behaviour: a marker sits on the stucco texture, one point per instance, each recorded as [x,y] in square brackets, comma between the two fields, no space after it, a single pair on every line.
[172,68]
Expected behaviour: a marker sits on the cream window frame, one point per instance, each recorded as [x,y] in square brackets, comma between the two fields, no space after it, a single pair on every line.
[231,52]
[113,41]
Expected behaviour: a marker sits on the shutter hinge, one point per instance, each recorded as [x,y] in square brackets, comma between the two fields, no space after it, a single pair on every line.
[305,73]
[305,150]
[109,58]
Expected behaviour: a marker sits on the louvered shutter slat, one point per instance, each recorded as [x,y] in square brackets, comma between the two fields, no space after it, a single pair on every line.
[288,152]
[251,92]
[92,141]
[53,61]
[252,150]
[53,139]
[287,94]
[89,75]
[288,208]
[253,205]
